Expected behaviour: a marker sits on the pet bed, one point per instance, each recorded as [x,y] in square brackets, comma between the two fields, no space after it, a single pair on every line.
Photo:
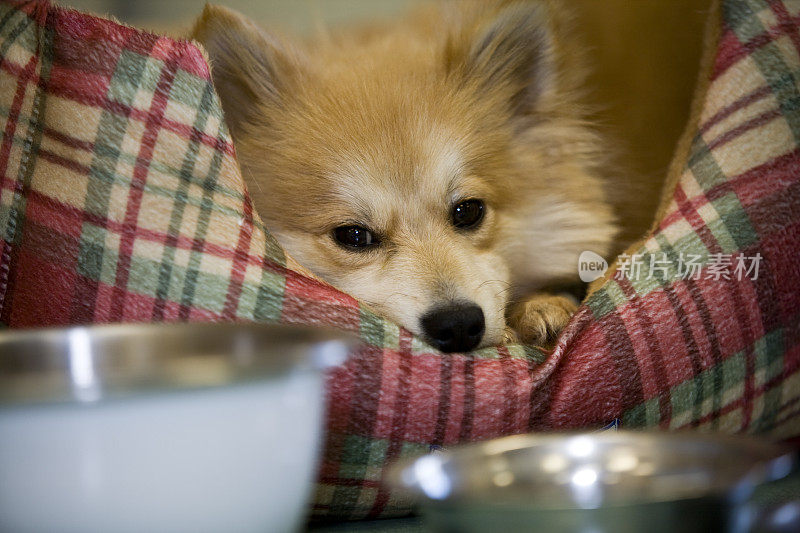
[122,201]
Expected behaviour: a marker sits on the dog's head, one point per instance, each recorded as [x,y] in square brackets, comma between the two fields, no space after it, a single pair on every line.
[385,162]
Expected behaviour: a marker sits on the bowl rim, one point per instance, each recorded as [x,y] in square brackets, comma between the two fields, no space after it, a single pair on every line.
[772,461]
[87,364]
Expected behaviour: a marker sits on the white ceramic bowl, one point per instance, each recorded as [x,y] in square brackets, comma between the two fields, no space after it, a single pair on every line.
[212,427]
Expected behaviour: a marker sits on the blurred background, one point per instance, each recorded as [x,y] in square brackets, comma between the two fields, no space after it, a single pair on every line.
[297,16]
[644,55]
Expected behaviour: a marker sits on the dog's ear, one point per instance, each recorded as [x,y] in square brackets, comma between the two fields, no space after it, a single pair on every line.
[506,50]
[250,68]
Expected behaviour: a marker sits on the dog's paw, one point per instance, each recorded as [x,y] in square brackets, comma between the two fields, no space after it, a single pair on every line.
[510,336]
[539,319]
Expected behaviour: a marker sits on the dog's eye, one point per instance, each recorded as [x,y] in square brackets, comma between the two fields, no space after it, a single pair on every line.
[354,237]
[468,214]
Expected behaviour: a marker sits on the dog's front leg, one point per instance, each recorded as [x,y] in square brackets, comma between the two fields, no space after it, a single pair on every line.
[539,319]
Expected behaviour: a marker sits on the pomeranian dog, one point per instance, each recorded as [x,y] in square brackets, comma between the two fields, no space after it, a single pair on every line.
[440,169]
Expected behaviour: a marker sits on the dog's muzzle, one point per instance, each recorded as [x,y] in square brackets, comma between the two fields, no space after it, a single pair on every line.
[457,327]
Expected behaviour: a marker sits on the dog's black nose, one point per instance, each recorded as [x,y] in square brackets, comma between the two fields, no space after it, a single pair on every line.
[454,328]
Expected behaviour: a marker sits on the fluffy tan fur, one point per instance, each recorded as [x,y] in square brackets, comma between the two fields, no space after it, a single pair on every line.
[388,127]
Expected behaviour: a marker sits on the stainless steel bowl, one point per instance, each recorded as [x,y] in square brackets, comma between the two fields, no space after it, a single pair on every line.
[88,364]
[180,427]
[593,482]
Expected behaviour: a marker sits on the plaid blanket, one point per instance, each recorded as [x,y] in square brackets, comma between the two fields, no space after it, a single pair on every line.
[121,200]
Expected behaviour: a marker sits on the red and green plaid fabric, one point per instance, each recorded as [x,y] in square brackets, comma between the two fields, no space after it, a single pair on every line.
[121,200]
